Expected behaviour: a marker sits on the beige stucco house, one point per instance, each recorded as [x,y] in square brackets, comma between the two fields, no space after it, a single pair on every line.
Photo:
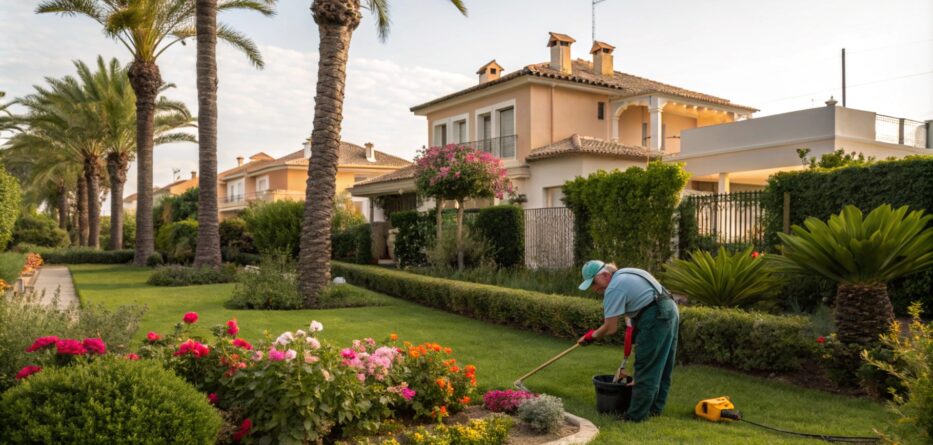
[265,178]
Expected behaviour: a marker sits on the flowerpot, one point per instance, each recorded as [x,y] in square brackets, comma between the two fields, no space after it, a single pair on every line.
[612,398]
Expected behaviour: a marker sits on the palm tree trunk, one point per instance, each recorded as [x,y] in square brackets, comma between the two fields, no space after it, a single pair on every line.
[82,210]
[863,313]
[336,20]
[146,80]
[117,166]
[460,235]
[208,250]
[92,172]
[62,206]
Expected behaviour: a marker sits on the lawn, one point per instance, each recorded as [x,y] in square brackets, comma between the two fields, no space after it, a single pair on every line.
[502,354]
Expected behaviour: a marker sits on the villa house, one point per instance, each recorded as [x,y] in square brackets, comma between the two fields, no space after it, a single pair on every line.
[175,188]
[264,178]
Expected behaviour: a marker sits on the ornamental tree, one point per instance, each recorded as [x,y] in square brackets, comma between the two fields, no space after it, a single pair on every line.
[456,172]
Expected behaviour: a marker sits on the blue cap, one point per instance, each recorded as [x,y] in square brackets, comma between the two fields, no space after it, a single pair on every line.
[590,270]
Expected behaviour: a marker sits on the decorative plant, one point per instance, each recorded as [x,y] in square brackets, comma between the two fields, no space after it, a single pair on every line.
[544,413]
[861,253]
[455,172]
[507,401]
[738,279]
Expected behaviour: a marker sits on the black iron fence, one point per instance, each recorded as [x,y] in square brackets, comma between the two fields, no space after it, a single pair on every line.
[733,220]
[549,238]
[501,147]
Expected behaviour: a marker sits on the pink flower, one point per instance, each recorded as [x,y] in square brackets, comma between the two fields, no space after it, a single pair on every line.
[132,356]
[68,346]
[191,347]
[27,371]
[290,355]
[42,342]
[212,398]
[348,353]
[242,344]
[276,355]
[310,358]
[408,393]
[152,337]
[95,345]
[257,356]
[243,431]
[190,317]
[232,327]
[821,339]
[314,343]
[361,377]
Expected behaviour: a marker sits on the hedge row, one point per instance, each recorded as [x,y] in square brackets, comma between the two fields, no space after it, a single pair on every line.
[728,337]
[85,255]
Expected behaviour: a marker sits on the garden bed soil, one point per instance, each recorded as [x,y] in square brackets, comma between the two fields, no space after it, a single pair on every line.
[521,433]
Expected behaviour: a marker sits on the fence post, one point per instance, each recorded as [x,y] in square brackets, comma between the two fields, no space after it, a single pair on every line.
[900,131]
[786,212]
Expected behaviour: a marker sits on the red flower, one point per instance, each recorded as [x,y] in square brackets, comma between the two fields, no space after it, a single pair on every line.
[212,397]
[68,346]
[27,371]
[132,356]
[190,317]
[755,254]
[243,344]
[42,342]
[821,339]
[232,327]
[243,431]
[152,337]
[95,345]
[193,348]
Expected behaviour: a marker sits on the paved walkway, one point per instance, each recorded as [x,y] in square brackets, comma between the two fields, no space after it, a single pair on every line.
[52,278]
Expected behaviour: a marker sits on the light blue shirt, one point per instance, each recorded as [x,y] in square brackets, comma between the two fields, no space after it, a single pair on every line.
[629,291]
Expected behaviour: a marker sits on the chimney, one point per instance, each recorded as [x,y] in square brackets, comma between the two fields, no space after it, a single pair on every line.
[239,161]
[490,71]
[194,174]
[560,52]
[370,152]
[831,102]
[602,58]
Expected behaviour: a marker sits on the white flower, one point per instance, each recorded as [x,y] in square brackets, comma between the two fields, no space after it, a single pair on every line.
[285,338]
[316,326]
[290,355]
[313,343]
[299,333]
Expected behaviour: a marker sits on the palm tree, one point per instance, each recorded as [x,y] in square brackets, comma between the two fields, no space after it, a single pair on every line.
[48,175]
[147,28]
[207,252]
[336,20]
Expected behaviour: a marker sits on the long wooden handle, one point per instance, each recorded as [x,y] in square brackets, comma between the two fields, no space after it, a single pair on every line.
[548,363]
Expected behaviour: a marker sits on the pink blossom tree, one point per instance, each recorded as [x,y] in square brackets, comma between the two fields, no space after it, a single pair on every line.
[456,172]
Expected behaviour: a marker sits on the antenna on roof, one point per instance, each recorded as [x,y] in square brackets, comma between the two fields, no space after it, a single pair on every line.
[175,172]
[595,2]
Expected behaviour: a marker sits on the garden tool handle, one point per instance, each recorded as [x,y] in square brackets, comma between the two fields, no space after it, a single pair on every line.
[629,330]
[548,363]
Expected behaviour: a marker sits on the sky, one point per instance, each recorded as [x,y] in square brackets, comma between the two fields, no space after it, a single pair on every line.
[777,56]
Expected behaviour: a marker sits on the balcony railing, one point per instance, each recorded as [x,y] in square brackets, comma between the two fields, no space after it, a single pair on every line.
[502,147]
[897,130]
[265,195]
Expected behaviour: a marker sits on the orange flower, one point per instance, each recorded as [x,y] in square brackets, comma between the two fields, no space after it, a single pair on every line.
[441,382]
[413,353]
[455,368]
[469,369]
[393,336]
[443,410]
[436,347]
[465,400]
[407,344]
[448,350]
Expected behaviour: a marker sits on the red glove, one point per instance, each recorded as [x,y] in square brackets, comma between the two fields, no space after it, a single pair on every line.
[588,338]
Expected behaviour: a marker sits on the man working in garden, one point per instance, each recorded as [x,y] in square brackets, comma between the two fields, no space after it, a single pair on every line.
[640,298]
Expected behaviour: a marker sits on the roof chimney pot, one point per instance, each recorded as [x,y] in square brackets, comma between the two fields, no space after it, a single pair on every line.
[489,72]
[602,58]
[239,161]
[560,52]
[370,152]
[194,174]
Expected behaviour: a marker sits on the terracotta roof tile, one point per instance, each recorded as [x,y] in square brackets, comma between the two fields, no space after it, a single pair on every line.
[558,37]
[577,144]
[350,155]
[597,45]
[627,84]
[492,63]
[400,174]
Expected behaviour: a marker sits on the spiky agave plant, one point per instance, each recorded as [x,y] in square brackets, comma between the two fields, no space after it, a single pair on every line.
[861,253]
[738,279]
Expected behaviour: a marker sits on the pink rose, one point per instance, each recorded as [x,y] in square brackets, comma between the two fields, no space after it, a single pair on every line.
[27,371]
[348,353]
[243,431]
[408,393]
[290,355]
[212,398]
[132,356]
[68,346]
[152,337]
[95,345]
[276,355]
[821,339]
[232,328]
[42,342]
[242,344]
[190,317]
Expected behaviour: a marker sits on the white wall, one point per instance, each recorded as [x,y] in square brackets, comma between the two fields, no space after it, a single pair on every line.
[554,172]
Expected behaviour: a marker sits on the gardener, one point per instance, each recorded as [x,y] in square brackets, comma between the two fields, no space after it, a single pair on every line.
[640,298]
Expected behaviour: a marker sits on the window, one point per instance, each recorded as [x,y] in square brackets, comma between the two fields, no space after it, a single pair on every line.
[262,184]
[507,133]
[235,191]
[440,134]
[644,134]
[486,132]
[553,196]
[492,71]
[460,132]
[601,111]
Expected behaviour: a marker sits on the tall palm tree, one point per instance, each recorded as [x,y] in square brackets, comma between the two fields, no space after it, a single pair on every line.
[208,245]
[48,175]
[147,28]
[336,20]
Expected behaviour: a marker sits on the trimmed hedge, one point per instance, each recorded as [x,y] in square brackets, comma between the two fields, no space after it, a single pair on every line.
[84,255]
[39,230]
[728,337]
[503,228]
[10,200]
[178,275]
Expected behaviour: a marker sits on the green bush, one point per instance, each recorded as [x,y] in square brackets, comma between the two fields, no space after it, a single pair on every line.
[412,240]
[545,413]
[11,263]
[234,238]
[104,401]
[733,337]
[276,226]
[39,230]
[178,241]
[155,260]
[547,281]
[84,255]
[626,217]
[343,245]
[503,228]
[363,244]
[24,320]
[727,280]
[10,200]
[443,254]
[175,208]
[273,286]
[178,275]
[129,231]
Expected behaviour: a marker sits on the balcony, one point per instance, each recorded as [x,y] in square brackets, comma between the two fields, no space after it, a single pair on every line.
[901,131]
[234,202]
[502,147]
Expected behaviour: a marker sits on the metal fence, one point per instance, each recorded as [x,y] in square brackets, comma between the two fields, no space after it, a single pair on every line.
[897,130]
[729,219]
[549,238]
[502,147]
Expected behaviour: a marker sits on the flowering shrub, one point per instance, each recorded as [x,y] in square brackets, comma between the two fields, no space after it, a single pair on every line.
[458,172]
[4,286]
[506,401]
[33,263]
[491,431]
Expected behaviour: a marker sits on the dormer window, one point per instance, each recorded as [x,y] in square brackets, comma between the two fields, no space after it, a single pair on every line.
[492,71]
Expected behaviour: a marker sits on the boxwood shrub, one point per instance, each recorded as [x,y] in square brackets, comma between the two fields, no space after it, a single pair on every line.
[107,400]
[503,228]
[728,337]
[83,255]
[178,275]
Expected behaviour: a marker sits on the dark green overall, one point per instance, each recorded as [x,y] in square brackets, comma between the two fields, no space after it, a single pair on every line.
[656,329]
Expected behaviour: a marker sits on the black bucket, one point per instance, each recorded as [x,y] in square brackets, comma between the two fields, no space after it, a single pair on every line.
[612,398]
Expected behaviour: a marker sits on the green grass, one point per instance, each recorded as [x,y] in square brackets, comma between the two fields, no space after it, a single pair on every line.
[502,354]
[11,264]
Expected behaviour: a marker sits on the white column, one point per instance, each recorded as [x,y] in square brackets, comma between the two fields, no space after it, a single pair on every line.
[655,107]
[723,183]
[614,108]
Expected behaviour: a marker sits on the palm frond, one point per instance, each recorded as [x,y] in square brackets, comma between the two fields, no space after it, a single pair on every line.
[241,42]
[380,8]
[264,7]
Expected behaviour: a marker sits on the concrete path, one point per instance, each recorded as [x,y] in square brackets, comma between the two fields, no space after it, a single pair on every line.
[52,278]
